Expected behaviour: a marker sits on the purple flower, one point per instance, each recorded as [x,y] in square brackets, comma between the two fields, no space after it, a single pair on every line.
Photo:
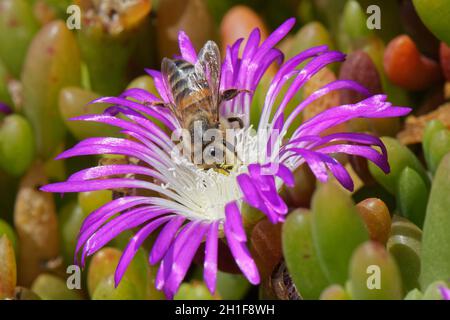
[5,109]
[445,293]
[198,205]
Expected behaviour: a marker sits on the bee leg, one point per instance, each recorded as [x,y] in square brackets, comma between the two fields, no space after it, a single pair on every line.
[159,104]
[230,94]
[167,105]
[238,120]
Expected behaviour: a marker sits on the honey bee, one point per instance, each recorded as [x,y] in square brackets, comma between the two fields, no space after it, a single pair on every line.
[195,90]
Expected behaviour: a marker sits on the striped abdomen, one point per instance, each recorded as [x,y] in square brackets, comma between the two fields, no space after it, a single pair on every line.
[188,87]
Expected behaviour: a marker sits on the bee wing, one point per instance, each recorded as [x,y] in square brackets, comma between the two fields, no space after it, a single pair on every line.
[184,84]
[209,65]
[167,67]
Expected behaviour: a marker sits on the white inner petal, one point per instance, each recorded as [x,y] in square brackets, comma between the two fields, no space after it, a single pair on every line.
[208,191]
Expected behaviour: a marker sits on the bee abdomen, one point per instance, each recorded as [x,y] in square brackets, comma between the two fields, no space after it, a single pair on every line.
[187,87]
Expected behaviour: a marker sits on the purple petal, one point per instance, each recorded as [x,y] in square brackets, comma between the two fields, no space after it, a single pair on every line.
[152,112]
[165,239]
[108,210]
[159,84]
[123,222]
[94,185]
[314,162]
[175,248]
[275,37]
[306,73]
[184,259]
[109,170]
[274,55]
[133,246]
[333,86]
[239,250]
[362,151]
[252,45]
[318,162]
[265,201]
[339,172]
[445,293]
[234,221]
[97,229]
[285,174]
[286,71]
[186,48]
[126,147]
[102,214]
[146,128]
[249,190]
[373,107]
[210,264]
[140,95]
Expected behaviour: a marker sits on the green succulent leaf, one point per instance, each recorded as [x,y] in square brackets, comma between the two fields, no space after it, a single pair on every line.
[436,235]
[399,157]
[52,63]
[337,230]
[17,28]
[412,196]
[374,274]
[301,256]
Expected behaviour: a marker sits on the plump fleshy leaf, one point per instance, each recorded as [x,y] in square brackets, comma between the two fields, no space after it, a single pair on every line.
[404,245]
[52,63]
[8,272]
[436,238]
[337,229]
[374,274]
[301,255]
[399,157]
[412,196]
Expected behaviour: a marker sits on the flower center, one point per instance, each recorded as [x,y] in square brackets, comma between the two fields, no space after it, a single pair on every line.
[208,191]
